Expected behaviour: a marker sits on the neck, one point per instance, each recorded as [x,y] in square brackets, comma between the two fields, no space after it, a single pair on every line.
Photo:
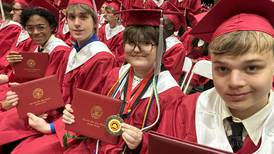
[244,114]
[81,43]
[141,73]
[112,24]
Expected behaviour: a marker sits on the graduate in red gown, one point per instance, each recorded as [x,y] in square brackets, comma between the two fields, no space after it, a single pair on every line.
[133,84]
[10,30]
[85,66]
[40,24]
[111,33]
[237,115]
[173,58]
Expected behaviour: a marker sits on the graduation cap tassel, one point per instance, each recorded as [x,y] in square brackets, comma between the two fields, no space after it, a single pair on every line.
[157,71]
[160,49]
[2,11]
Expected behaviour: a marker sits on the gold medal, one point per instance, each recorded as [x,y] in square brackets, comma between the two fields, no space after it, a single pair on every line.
[113,125]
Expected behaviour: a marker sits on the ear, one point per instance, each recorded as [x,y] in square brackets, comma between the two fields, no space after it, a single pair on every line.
[273,66]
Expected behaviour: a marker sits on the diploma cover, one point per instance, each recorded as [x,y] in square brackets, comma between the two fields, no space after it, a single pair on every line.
[38,96]
[163,144]
[91,111]
[32,66]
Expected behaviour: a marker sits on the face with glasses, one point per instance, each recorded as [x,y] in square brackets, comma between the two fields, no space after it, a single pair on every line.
[141,55]
[39,29]
[16,11]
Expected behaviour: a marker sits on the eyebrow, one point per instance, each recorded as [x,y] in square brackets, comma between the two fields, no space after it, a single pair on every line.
[37,25]
[247,61]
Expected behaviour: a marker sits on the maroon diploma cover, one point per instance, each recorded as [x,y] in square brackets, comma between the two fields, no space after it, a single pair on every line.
[91,111]
[163,144]
[32,66]
[38,96]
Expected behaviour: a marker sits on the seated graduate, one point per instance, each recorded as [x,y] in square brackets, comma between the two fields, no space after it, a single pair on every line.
[40,24]
[111,33]
[133,84]
[237,115]
[85,66]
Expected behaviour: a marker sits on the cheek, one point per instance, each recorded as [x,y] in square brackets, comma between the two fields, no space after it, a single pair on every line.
[264,83]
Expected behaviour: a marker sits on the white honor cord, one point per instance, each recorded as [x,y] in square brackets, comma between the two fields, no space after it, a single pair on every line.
[97,147]
[2,11]
[157,104]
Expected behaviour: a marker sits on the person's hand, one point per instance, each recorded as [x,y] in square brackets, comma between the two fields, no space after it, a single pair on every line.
[14,57]
[68,117]
[132,135]
[10,101]
[39,123]
[3,78]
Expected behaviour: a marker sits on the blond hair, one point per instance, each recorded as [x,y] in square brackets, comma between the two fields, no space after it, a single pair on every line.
[241,42]
[84,8]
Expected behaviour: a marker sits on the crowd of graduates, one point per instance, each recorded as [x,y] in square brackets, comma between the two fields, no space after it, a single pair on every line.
[112,47]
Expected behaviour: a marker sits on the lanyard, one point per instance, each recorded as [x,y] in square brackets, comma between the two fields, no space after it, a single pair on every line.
[132,97]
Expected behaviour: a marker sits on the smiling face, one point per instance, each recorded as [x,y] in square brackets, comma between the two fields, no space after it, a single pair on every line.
[140,48]
[244,81]
[39,29]
[81,24]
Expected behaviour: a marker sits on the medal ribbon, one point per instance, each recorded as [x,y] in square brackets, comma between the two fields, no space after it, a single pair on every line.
[131,97]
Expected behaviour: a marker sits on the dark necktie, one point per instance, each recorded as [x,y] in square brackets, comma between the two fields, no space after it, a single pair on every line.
[235,139]
[40,49]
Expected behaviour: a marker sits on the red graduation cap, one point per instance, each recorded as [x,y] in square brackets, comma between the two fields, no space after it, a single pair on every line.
[194,19]
[141,17]
[99,3]
[236,15]
[115,4]
[46,5]
[191,5]
[177,19]
[25,3]
[61,4]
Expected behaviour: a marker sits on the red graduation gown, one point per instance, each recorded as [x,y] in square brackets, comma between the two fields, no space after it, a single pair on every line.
[9,120]
[114,41]
[173,58]
[167,98]
[9,33]
[63,32]
[90,75]
[179,121]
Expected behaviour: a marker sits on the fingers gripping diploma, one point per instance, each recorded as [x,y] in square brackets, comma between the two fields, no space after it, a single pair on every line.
[14,57]
[39,123]
[132,136]
[10,101]
[68,117]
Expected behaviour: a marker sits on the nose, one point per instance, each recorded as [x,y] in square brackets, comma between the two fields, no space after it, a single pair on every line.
[236,79]
[136,48]
[77,21]
[35,31]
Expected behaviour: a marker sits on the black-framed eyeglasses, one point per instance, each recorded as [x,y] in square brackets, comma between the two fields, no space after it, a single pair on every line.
[143,46]
[39,28]
[16,9]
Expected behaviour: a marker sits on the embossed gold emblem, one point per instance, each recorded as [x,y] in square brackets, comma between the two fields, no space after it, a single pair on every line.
[96,112]
[31,63]
[38,93]
[113,125]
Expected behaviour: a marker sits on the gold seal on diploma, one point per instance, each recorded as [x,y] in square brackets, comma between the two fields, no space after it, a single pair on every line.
[113,125]
[38,93]
[31,63]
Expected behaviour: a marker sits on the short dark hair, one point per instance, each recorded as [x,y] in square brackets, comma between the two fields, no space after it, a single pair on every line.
[141,34]
[49,16]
